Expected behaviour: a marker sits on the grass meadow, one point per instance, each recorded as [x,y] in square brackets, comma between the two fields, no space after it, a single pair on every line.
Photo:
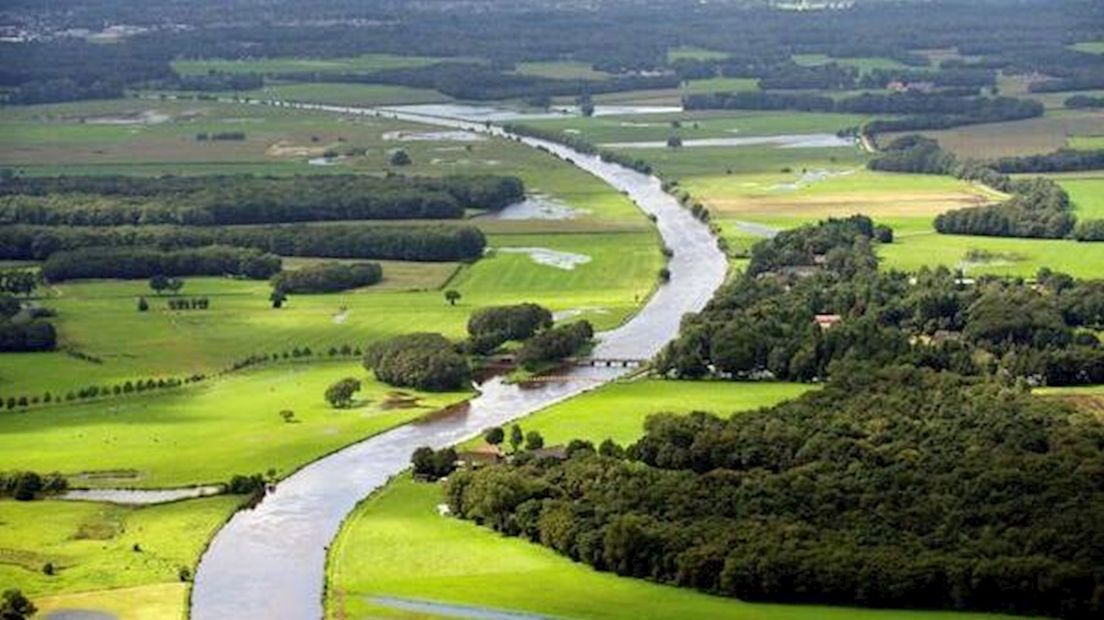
[118,559]
[395,544]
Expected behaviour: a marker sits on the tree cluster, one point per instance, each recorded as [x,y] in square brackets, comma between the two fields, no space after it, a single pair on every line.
[430,464]
[400,242]
[889,487]
[143,262]
[328,277]
[244,199]
[490,328]
[421,360]
[18,282]
[813,296]
[25,486]
[555,344]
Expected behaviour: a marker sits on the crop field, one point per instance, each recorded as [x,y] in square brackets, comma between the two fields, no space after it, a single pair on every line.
[205,432]
[396,545]
[1086,142]
[105,556]
[363,63]
[1036,135]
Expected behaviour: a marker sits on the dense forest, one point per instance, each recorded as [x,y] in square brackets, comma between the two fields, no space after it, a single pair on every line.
[244,199]
[327,278]
[627,38]
[397,242]
[889,487]
[813,297]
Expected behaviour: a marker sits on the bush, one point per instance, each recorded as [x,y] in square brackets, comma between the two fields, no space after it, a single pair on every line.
[328,278]
[422,360]
[340,394]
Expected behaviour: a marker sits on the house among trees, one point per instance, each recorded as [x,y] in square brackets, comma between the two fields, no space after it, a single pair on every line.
[485,454]
[827,321]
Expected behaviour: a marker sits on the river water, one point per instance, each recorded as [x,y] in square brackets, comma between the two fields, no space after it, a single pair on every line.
[269,562]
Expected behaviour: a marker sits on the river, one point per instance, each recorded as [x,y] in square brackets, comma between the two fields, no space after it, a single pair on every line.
[269,562]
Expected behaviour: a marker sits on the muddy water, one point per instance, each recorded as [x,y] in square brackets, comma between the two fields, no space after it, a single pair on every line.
[269,562]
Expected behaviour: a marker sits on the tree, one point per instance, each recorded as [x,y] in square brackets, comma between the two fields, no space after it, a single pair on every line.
[159,283]
[400,158]
[278,297]
[516,437]
[452,296]
[340,394]
[143,305]
[494,435]
[174,285]
[674,142]
[533,441]
[15,606]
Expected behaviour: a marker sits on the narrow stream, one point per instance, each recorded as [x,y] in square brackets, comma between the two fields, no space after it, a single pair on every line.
[269,562]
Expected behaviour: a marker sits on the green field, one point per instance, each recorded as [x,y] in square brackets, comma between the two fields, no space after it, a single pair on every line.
[99,318]
[364,63]
[1086,193]
[106,556]
[1093,47]
[396,545]
[1015,257]
[363,95]
[1086,142]
[694,53]
[562,70]
[863,64]
[207,432]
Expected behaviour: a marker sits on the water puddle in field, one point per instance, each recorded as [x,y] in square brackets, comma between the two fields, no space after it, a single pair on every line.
[79,614]
[567,261]
[324,161]
[791,141]
[571,313]
[536,207]
[145,117]
[434,136]
[502,114]
[810,177]
[449,610]
[139,497]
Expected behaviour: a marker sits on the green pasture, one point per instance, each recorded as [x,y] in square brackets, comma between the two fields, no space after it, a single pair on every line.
[1086,193]
[1093,47]
[1014,257]
[863,64]
[99,318]
[396,545]
[107,556]
[1086,143]
[358,64]
[618,411]
[562,70]
[700,124]
[719,85]
[206,432]
[362,95]
[694,53]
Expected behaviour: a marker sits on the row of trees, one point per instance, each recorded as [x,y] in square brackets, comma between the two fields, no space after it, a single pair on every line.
[886,488]
[399,242]
[793,315]
[246,199]
[328,277]
[140,262]
[920,110]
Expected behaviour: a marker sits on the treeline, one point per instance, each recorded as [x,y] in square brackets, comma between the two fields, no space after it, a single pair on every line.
[141,262]
[1038,208]
[838,497]
[1084,101]
[813,297]
[921,110]
[945,77]
[328,278]
[580,144]
[485,82]
[68,69]
[244,199]
[413,243]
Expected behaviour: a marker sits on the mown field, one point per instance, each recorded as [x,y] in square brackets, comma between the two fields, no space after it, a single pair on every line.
[117,559]
[396,545]
[207,432]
